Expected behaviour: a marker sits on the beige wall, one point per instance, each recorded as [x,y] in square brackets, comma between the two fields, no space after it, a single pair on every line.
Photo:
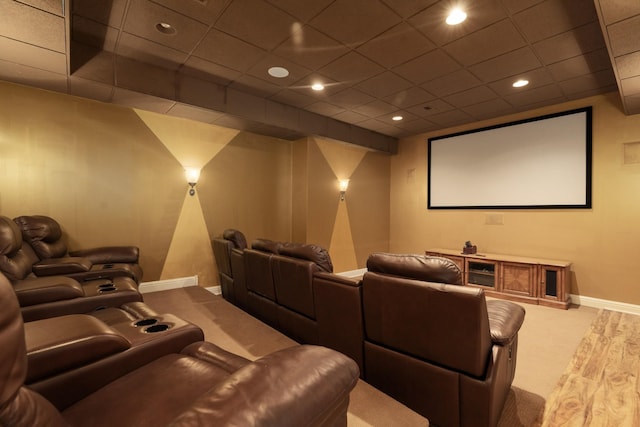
[602,242]
[113,175]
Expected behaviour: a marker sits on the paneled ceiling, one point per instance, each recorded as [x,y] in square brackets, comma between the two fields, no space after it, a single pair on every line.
[377,59]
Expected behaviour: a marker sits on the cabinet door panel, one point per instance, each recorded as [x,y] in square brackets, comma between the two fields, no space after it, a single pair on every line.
[518,278]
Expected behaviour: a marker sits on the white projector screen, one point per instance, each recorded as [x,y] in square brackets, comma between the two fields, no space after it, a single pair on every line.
[544,162]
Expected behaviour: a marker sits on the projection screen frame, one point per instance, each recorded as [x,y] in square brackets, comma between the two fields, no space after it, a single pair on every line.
[509,204]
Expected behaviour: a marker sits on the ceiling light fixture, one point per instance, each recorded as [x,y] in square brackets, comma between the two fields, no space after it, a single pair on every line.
[165,28]
[278,72]
[396,118]
[456,16]
[520,83]
[317,86]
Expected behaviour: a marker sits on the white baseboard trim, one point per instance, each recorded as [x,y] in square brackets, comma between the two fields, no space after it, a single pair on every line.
[216,290]
[163,285]
[606,304]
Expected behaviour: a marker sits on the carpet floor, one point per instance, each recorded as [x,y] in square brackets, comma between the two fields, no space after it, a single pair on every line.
[548,339]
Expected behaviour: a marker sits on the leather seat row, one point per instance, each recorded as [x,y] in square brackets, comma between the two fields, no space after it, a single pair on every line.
[416,333]
[49,281]
[157,371]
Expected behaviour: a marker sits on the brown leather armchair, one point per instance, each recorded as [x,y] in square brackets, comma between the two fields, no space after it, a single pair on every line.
[42,297]
[202,385]
[228,246]
[45,237]
[441,349]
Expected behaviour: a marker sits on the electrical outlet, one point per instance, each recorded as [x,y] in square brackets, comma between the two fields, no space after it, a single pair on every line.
[494,219]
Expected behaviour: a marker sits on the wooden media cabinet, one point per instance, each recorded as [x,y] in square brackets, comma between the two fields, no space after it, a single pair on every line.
[531,280]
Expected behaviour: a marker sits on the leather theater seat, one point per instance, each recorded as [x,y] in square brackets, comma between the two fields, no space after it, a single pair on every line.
[42,297]
[201,385]
[45,237]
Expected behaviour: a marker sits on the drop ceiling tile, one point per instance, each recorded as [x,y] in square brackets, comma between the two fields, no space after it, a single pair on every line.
[408,8]
[302,10]
[488,109]
[351,68]
[33,56]
[91,64]
[396,46]
[135,99]
[296,97]
[30,76]
[350,98]
[201,93]
[33,26]
[618,10]
[145,78]
[509,64]
[472,96]
[417,126]
[431,108]
[255,86]
[427,67]
[354,22]
[514,6]
[376,108]
[378,126]
[228,51]
[631,86]
[51,6]
[409,98]
[143,16]
[350,117]
[451,118]
[624,36]
[149,52]
[536,96]
[93,33]
[628,65]
[204,11]
[588,83]
[580,65]
[567,45]
[490,42]
[451,83]
[537,78]
[106,12]
[551,18]
[310,48]
[324,108]
[190,112]
[90,89]
[383,84]
[257,22]
[207,70]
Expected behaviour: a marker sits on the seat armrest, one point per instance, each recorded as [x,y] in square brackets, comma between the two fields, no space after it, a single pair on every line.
[336,278]
[298,386]
[216,356]
[109,254]
[41,290]
[58,344]
[62,266]
[505,320]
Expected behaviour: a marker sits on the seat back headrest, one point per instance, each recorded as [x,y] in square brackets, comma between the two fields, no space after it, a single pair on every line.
[266,245]
[236,237]
[309,252]
[43,234]
[10,237]
[420,267]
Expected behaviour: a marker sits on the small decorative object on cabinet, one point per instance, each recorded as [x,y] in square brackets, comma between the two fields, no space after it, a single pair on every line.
[469,248]
[531,280]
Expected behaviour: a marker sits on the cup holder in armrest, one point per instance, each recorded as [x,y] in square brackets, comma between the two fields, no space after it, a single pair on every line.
[107,289]
[159,327]
[106,266]
[106,285]
[145,322]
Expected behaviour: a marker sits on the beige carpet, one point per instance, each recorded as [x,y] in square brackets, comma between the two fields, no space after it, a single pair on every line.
[547,341]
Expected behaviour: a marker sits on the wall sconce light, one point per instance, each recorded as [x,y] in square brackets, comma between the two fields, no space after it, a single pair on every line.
[192,175]
[344,184]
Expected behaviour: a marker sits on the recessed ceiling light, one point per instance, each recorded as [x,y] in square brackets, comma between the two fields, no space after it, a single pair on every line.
[396,118]
[317,86]
[278,72]
[165,28]
[520,83]
[456,16]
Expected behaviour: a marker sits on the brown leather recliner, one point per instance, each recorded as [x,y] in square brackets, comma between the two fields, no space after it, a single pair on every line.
[441,349]
[261,292]
[202,385]
[225,248]
[42,297]
[45,237]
